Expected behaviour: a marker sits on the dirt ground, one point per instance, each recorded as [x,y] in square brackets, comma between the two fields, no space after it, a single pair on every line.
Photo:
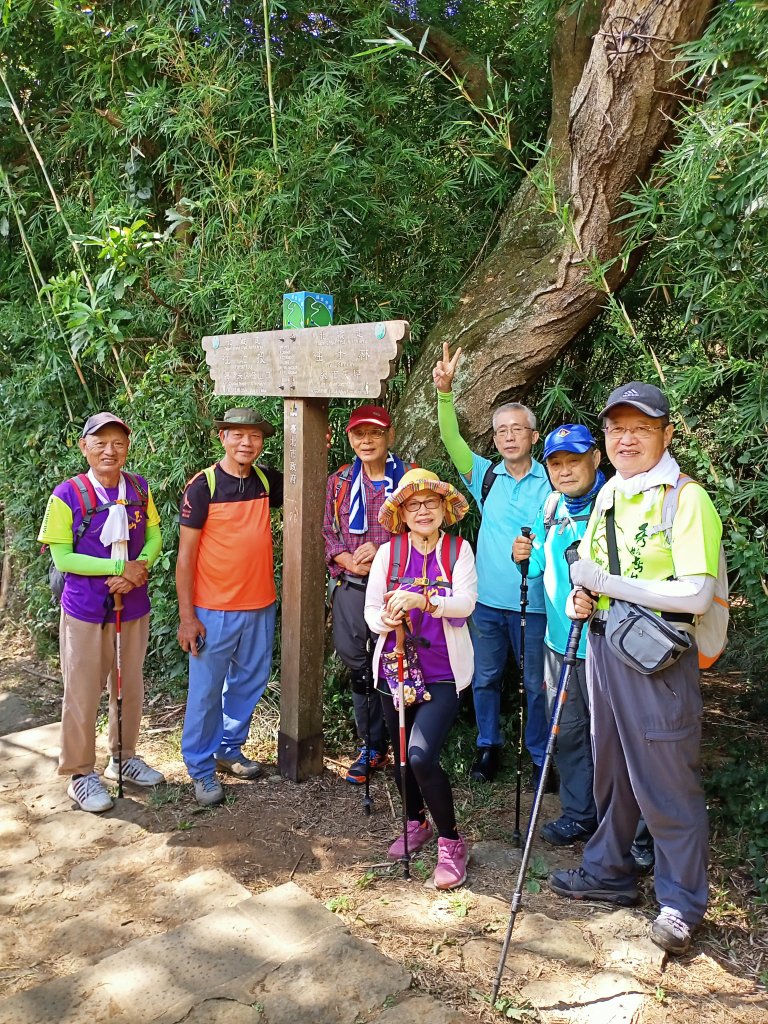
[271,831]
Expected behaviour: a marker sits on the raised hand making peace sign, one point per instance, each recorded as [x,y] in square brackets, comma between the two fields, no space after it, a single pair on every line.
[445,368]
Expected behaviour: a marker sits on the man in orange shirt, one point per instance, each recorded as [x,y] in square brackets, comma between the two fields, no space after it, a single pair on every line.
[225,584]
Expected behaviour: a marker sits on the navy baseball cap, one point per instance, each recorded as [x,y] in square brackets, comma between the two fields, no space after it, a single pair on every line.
[645,397]
[571,437]
[103,419]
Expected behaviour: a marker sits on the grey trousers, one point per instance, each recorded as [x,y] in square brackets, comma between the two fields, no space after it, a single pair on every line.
[350,635]
[573,754]
[646,735]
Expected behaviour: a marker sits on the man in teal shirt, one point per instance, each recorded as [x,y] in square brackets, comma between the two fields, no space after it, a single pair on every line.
[508,495]
[572,459]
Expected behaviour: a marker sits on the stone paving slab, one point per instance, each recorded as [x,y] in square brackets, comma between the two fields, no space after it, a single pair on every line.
[281,952]
[14,714]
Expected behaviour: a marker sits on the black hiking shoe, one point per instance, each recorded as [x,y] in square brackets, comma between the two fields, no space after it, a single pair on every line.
[485,767]
[578,885]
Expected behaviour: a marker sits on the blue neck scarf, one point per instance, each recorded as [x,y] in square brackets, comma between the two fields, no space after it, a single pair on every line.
[576,505]
[394,470]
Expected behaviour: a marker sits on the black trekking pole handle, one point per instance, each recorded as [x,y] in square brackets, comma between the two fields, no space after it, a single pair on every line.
[526,562]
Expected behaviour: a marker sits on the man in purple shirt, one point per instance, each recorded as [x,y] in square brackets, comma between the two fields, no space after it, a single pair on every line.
[104,534]
[352,536]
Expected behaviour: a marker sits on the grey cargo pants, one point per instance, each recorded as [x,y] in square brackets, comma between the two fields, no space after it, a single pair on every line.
[646,734]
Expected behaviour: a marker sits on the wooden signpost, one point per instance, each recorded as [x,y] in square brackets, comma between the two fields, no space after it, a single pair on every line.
[305,367]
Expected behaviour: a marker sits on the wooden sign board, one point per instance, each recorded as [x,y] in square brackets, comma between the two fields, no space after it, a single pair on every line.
[347,361]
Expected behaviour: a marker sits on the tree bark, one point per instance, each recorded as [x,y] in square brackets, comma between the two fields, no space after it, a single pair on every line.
[613,97]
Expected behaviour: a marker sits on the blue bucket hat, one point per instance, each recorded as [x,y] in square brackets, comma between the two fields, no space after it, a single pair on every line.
[571,437]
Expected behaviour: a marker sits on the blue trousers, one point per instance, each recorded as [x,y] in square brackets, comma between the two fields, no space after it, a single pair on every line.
[226,681]
[494,631]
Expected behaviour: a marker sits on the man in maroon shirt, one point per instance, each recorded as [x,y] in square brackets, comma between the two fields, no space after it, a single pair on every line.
[352,535]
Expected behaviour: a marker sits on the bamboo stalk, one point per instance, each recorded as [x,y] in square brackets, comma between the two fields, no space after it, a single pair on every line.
[37,277]
[59,209]
[268,53]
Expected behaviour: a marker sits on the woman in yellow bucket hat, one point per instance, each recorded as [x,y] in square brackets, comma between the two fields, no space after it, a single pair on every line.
[425,579]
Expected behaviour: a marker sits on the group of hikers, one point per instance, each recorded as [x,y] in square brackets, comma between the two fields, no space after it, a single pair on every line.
[629,737]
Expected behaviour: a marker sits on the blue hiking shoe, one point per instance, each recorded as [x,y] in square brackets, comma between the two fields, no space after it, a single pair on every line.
[356,772]
[565,831]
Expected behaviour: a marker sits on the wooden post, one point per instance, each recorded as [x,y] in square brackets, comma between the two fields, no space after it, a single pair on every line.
[300,740]
[305,367]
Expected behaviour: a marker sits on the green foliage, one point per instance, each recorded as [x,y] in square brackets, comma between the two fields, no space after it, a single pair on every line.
[693,318]
[153,209]
[738,794]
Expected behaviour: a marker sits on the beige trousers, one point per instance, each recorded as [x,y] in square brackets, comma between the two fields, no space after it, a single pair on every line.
[88,666]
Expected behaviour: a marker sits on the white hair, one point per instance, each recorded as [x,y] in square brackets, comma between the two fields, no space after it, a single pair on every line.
[515,407]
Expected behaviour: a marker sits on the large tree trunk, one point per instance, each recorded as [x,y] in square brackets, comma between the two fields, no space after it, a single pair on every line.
[613,96]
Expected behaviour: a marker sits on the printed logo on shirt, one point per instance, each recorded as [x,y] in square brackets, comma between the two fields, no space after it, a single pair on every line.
[136,521]
[186,508]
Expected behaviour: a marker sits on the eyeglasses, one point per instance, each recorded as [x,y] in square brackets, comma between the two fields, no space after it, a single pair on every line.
[642,432]
[376,433]
[431,503]
[511,431]
[101,446]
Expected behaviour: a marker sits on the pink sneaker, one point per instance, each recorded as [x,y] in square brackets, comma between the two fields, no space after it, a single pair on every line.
[418,836]
[451,870]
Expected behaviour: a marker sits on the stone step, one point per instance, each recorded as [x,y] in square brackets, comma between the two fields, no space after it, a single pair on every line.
[75,887]
[277,958]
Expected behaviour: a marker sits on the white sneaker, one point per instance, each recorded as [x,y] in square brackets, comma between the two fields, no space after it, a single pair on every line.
[89,793]
[134,770]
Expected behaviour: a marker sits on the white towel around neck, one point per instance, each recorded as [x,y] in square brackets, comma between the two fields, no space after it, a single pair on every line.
[664,473]
[114,532]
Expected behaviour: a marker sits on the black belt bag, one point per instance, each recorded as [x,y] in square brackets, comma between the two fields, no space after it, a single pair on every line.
[642,639]
[636,635]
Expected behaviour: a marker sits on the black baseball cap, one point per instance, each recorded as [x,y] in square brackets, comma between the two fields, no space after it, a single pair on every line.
[103,419]
[645,397]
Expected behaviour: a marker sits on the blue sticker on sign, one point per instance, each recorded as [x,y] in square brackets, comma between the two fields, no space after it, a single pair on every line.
[215,343]
[381,330]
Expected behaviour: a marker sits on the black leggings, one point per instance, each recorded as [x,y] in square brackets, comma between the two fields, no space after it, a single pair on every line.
[426,728]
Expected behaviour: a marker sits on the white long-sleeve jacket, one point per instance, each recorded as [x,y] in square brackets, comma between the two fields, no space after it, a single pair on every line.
[458,605]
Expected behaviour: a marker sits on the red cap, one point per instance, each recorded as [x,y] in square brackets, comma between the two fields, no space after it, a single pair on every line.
[373,415]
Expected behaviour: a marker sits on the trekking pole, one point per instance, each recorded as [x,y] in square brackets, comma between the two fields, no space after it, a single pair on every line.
[367,801]
[569,661]
[119,669]
[526,532]
[400,651]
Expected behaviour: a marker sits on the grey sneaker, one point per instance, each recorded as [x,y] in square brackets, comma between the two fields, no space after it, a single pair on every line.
[240,766]
[89,793]
[209,791]
[670,931]
[135,770]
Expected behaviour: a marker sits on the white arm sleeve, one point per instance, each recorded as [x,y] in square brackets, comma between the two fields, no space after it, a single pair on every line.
[691,595]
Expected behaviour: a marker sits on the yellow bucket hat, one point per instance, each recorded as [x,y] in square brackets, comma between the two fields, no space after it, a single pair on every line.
[390,515]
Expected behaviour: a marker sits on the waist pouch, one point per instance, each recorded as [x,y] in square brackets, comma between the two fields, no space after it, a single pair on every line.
[414,688]
[643,640]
